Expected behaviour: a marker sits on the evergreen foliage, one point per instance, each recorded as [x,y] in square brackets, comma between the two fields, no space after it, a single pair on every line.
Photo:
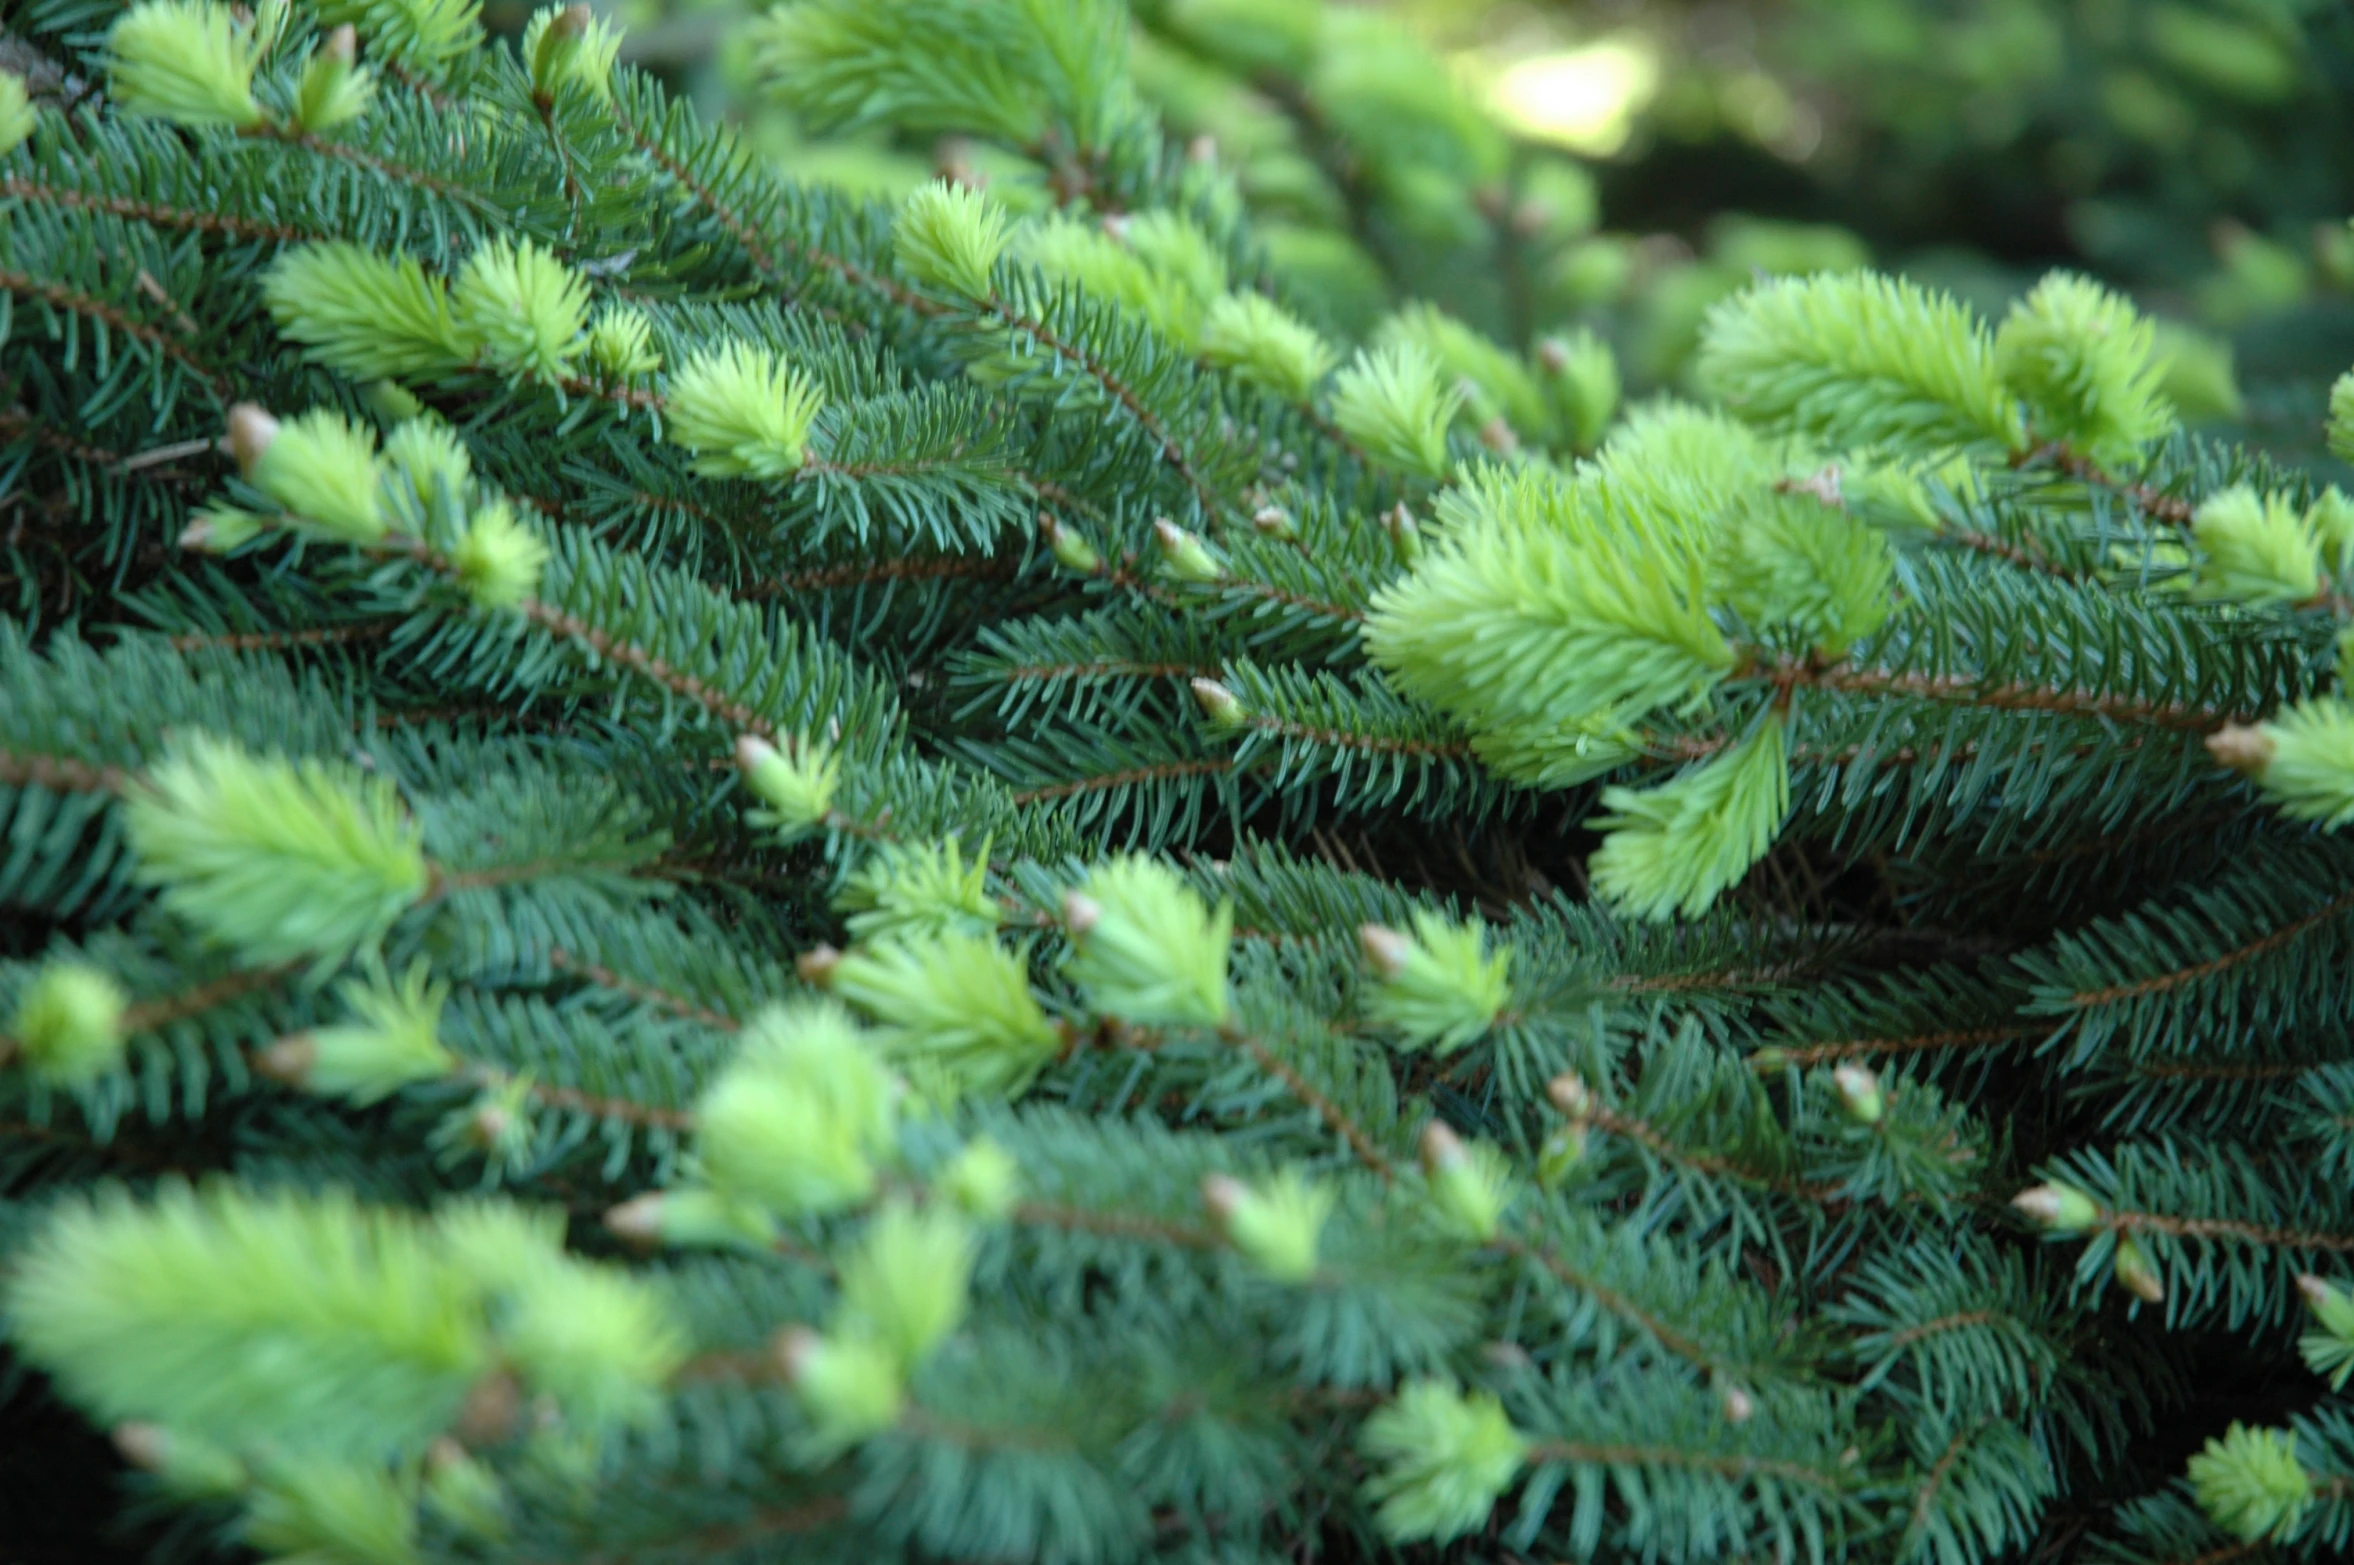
[697,868]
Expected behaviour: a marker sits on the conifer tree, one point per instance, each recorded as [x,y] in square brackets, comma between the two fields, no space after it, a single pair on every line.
[698,869]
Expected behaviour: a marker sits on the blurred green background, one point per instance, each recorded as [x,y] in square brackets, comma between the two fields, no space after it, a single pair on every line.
[1618,165]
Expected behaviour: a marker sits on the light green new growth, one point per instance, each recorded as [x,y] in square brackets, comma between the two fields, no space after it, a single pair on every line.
[1443,1457]
[423,36]
[2085,363]
[308,1508]
[1582,381]
[499,558]
[1146,948]
[524,307]
[1857,360]
[424,459]
[920,892]
[2307,766]
[17,119]
[1265,345]
[2252,1484]
[620,343]
[1440,989]
[334,91]
[954,1010]
[68,1026]
[1275,1223]
[903,1286]
[187,61]
[322,468]
[949,237]
[1550,600]
[391,1039]
[1675,847]
[2254,549]
[1470,1184]
[285,861]
[366,315]
[2330,1350]
[1792,561]
[795,785]
[798,1120]
[252,1319]
[1393,403]
[570,44]
[744,410]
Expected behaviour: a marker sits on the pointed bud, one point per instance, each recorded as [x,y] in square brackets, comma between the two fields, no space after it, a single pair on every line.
[1220,705]
[1469,1185]
[1081,913]
[290,1061]
[1560,1155]
[1276,1226]
[1498,436]
[1405,537]
[1273,521]
[638,1221]
[492,1411]
[250,432]
[1553,355]
[1072,552]
[145,1446]
[815,967]
[1182,554]
[1569,1094]
[2057,1208]
[983,1181]
[1386,951]
[2244,747]
[1739,1407]
[333,91]
[797,787]
[1860,1094]
[1822,485]
[2332,1306]
[1768,1060]
[2137,1274]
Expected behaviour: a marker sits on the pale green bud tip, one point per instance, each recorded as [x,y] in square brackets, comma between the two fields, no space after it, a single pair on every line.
[1441,1458]
[1860,1094]
[621,344]
[2341,416]
[1469,1185]
[1569,1094]
[1146,947]
[1560,1155]
[571,44]
[526,308]
[1386,951]
[683,1218]
[950,236]
[1220,705]
[850,1388]
[2251,1484]
[333,91]
[190,1469]
[2057,1208]
[983,1181]
[1071,551]
[1739,1406]
[1273,521]
[69,1024]
[17,118]
[251,430]
[1275,1227]
[187,61]
[1182,554]
[319,466]
[2137,1273]
[795,785]
[499,560]
[2244,747]
[1404,536]
[745,412]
